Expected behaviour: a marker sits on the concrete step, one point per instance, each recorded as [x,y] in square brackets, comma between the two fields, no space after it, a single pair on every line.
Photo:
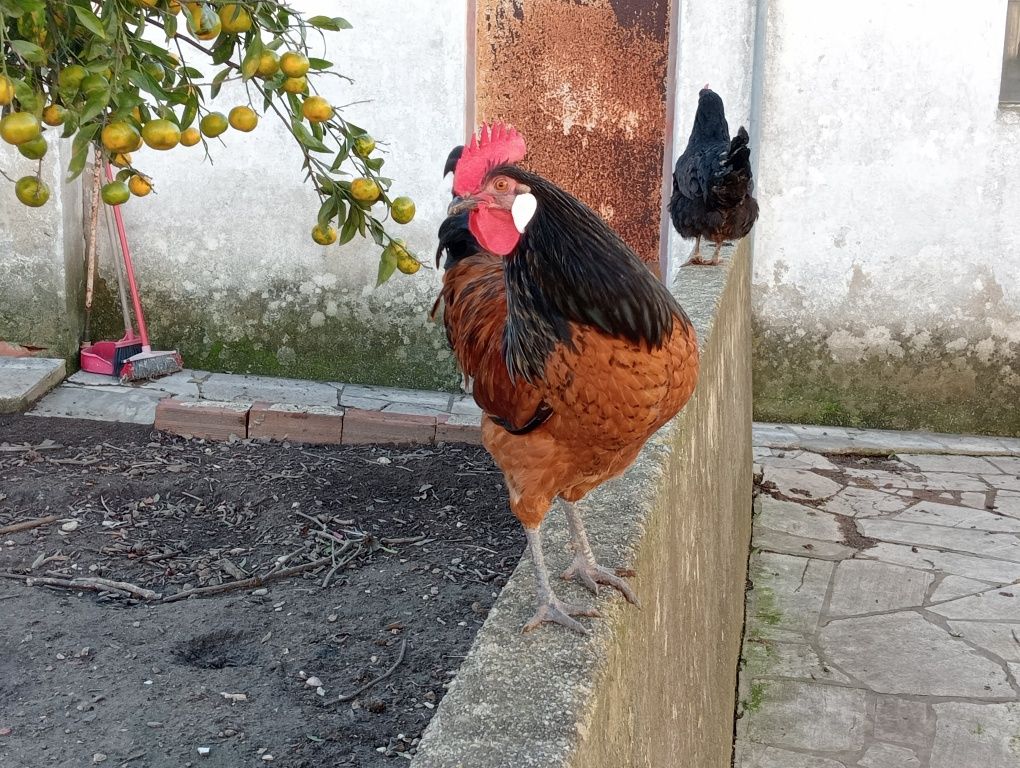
[23,380]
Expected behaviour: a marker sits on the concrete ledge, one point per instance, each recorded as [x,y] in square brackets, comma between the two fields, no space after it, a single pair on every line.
[648,687]
[23,380]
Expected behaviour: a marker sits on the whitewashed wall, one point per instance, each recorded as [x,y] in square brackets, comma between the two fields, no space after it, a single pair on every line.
[887,254]
[41,250]
[227,245]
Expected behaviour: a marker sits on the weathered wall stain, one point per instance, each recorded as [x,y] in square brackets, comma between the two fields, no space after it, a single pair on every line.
[585,82]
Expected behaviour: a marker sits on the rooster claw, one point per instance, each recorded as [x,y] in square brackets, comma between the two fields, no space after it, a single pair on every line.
[592,576]
[555,611]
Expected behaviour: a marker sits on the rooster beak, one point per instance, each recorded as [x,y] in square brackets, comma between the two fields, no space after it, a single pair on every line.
[461,204]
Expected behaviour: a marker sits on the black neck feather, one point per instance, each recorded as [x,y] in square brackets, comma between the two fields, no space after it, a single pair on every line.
[570,267]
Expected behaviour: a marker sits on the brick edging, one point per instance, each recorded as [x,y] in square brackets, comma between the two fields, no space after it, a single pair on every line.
[319,425]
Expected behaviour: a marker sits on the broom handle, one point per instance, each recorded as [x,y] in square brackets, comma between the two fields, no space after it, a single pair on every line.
[90,252]
[129,268]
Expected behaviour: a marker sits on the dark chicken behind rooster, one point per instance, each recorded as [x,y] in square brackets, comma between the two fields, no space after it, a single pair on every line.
[712,182]
[578,353]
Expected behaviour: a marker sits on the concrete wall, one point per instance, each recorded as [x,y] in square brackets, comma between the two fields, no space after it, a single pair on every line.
[229,272]
[648,687]
[887,255]
[41,253]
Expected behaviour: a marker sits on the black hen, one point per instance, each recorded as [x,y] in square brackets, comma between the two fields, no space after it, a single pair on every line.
[712,181]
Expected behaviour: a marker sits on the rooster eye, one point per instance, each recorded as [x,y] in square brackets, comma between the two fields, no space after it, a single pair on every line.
[501,184]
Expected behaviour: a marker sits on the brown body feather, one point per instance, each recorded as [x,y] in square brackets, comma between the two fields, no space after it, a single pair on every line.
[605,395]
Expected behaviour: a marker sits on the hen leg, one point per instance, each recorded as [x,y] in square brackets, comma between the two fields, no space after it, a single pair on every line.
[585,568]
[550,607]
[717,257]
[696,256]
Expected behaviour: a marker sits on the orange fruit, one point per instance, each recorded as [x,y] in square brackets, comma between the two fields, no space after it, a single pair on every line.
[115,193]
[402,210]
[71,77]
[293,64]
[161,134]
[33,149]
[234,18]
[19,127]
[363,145]
[190,137]
[54,114]
[243,119]
[139,186]
[32,191]
[269,64]
[119,136]
[324,237]
[365,190]
[316,109]
[6,90]
[295,84]
[94,84]
[203,21]
[213,124]
[121,159]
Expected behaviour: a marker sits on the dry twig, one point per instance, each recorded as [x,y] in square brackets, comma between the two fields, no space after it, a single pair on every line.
[27,525]
[254,582]
[383,676]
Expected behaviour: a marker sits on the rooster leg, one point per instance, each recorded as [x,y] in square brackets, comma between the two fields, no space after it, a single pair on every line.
[550,607]
[585,568]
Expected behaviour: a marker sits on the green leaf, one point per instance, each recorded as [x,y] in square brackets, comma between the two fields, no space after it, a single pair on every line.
[223,49]
[97,103]
[217,82]
[350,228]
[326,212]
[334,24]
[374,163]
[307,139]
[90,21]
[387,266]
[170,22]
[80,151]
[28,51]
[144,81]
[377,231]
[190,112]
[314,63]
[250,62]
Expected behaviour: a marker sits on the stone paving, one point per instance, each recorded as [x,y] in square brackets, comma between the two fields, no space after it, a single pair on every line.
[883,626]
[91,396]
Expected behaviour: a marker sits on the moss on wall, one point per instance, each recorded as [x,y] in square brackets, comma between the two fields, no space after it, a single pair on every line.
[929,388]
[284,331]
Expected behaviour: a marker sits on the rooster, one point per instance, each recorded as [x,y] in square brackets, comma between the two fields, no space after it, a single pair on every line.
[577,352]
[712,181]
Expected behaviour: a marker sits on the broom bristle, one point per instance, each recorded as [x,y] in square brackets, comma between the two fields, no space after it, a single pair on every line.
[151,365]
[122,354]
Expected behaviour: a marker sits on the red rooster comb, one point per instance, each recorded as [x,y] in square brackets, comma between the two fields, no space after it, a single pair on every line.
[495,144]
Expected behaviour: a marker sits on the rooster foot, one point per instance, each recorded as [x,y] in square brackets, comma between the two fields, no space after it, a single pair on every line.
[555,611]
[591,575]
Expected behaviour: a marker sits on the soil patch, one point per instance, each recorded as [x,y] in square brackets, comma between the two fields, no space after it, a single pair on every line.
[382,549]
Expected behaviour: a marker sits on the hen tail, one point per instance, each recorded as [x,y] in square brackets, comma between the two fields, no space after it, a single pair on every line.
[733,182]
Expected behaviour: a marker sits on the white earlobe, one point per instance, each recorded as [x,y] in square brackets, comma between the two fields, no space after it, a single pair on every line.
[523,209]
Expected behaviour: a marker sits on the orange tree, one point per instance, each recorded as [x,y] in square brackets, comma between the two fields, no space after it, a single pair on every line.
[116,75]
